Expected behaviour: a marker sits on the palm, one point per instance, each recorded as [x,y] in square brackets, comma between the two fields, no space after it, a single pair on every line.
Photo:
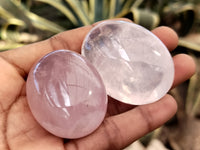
[18,123]
[19,130]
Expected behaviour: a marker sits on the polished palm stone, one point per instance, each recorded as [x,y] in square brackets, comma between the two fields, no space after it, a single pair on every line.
[66,94]
[134,64]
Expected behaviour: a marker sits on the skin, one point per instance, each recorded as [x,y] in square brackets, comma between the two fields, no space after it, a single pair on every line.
[123,123]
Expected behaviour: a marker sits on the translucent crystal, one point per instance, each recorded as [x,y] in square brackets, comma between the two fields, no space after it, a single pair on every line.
[66,94]
[135,65]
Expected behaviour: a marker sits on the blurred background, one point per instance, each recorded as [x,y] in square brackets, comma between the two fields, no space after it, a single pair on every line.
[27,21]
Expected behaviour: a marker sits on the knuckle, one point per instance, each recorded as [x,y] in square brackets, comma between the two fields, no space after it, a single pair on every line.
[58,42]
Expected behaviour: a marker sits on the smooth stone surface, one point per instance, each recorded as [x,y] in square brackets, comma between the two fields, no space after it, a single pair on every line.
[135,65]
[66,94]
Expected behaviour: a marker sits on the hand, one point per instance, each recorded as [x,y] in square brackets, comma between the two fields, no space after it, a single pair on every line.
[123,123]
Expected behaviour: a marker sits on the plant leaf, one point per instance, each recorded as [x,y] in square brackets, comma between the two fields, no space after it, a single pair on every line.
[128,4]
[115,7]
[85,6]
[144,17]
[191,41]
[79,11]
[6,45]
[96,9]
[43,23]
[106,7]
[30,19]
[11,35]
[58,4]
[190,45]
[15,10]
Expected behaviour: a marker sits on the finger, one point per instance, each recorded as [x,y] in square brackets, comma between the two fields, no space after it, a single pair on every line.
[167,36]
[118,131]
[24,57]
[184,68]
[73,39]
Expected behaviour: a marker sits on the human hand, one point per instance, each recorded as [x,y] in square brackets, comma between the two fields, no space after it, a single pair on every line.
[123,123]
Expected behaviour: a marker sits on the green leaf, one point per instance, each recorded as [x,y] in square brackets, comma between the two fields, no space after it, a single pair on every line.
[43,24]
[106,7]
[11,35]
[190,45]
[85,6]
[19,12]
[79,11]
[5,14]
[191,41]
[137,3]
[115,7]
[96,10]
[144,17]
[6,45]
[58,4]
[15,10]
[128,4]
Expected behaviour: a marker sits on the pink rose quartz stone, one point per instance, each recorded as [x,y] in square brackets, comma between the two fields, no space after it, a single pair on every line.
[134,64]
[66,94]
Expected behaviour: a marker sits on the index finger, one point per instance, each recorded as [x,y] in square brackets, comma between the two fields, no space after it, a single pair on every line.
[24,57]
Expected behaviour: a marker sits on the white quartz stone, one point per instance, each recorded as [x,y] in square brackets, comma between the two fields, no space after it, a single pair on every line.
[134,64]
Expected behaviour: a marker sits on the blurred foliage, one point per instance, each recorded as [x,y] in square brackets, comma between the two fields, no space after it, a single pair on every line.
[27,21]
[39,19]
